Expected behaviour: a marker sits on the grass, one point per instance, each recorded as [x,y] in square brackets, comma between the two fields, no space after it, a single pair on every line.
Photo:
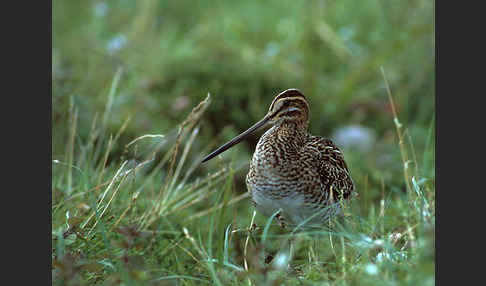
[130,224]
[141,92]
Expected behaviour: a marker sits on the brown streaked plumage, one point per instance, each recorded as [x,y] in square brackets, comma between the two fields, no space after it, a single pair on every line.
[292,171]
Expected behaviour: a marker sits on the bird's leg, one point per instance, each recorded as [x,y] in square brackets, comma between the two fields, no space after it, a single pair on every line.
[291,246]
[283,225]
[281,220]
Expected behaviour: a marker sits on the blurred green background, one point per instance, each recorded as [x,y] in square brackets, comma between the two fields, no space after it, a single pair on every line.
[243,53]
[166,56]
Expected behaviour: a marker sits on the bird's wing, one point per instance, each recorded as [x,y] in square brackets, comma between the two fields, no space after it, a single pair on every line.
[333,170]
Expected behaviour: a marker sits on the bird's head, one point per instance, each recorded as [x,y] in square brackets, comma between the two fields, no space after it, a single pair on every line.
[288,106]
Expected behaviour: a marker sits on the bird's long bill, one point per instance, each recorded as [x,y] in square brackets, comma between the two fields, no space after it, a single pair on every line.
[237,139]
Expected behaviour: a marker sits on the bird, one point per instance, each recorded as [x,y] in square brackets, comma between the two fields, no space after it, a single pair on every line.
[299,178]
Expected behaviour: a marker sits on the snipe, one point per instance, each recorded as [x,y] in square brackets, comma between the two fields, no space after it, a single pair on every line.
[292,171]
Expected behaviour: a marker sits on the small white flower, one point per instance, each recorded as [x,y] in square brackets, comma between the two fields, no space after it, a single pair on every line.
[371,269]
[272,49]
[281,261]
[380,257]
[378,242]
[116,43]
[364,242]
[355,136]
[366,239]
[101,8]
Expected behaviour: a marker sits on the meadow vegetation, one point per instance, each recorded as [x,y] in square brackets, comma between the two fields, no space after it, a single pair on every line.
[142,90]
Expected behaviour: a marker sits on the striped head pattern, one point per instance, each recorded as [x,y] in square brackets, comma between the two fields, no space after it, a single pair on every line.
[289,105]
